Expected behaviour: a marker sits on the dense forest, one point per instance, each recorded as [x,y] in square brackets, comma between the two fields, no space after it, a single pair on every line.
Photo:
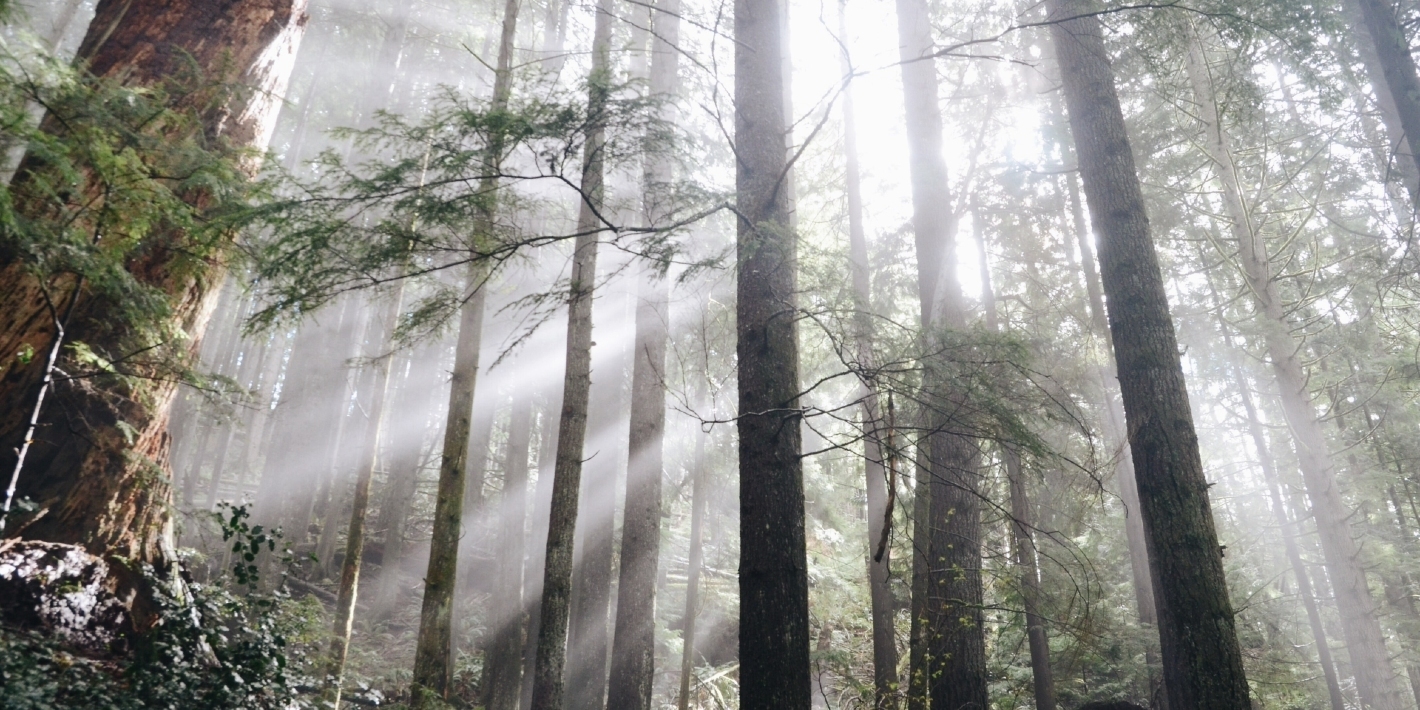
[780,354]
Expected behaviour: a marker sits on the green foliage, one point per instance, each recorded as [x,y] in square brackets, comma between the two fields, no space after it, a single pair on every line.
[121,195]
[438,197]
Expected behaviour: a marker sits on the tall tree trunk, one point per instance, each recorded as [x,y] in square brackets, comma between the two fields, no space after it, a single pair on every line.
[1202,662]
[1115,440]
[542,506]
[503,660]
[433,660]
[1289,539]
[633,654]
[91,472]
[876,481]
[370,461]
[951,668]
[405,464]
[1375,678]
[1397,83]
[1022,524]
[588,636]
[774,594]
[699,495]
[548,683]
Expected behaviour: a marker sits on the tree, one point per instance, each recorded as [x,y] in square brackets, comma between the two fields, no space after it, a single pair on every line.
[1396,82]
[433,661]
[503,656]
[948,665]
[633,657]
[1375,679]
[1202,660]
[877,480]
[548,682]
[98,469]
[774,594]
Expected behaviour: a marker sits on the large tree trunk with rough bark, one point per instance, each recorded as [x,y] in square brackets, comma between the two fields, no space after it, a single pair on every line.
[548,682]
[1375,677]
[98,468]
[1202,662]
[774,594]
[950,644]
[633,657]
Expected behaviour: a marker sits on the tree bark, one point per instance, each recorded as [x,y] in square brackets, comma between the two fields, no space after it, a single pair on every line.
[876,481]
[548,685]
[1375,679]
[1396,81]
[433,660]
[951,663]
[774,594]
[1202,662]
[633,656]
[503,660]
[99,484]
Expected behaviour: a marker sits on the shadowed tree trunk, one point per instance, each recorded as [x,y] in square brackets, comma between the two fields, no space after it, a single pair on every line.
[433,659]
[93,479]
[548,684]
[633,654]
[949,644]
[503,659]
[1202,662]
[774,594]
[1365,642]
[876,481]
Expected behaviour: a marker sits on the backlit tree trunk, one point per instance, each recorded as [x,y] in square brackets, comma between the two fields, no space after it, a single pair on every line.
[950,648]
[1202,662]
[433,658]
[99,484]
[548,684]
[633,657]
[876,481]
[503,658]
[1396,81]
[774,594]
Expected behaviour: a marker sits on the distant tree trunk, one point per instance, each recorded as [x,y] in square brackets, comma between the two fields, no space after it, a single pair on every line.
[589,633]
[633,657]
[1022,524]
[875,454]
[1375,678]
[473,551]
[542,506]
[370,461]
[548,683]
[406,463]
[433,660]
[951,657]
[774,594]
[1202,662]
[91,472]
[699,493]
[60,29]
[1289,540]
[503,660]
[1395,79]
